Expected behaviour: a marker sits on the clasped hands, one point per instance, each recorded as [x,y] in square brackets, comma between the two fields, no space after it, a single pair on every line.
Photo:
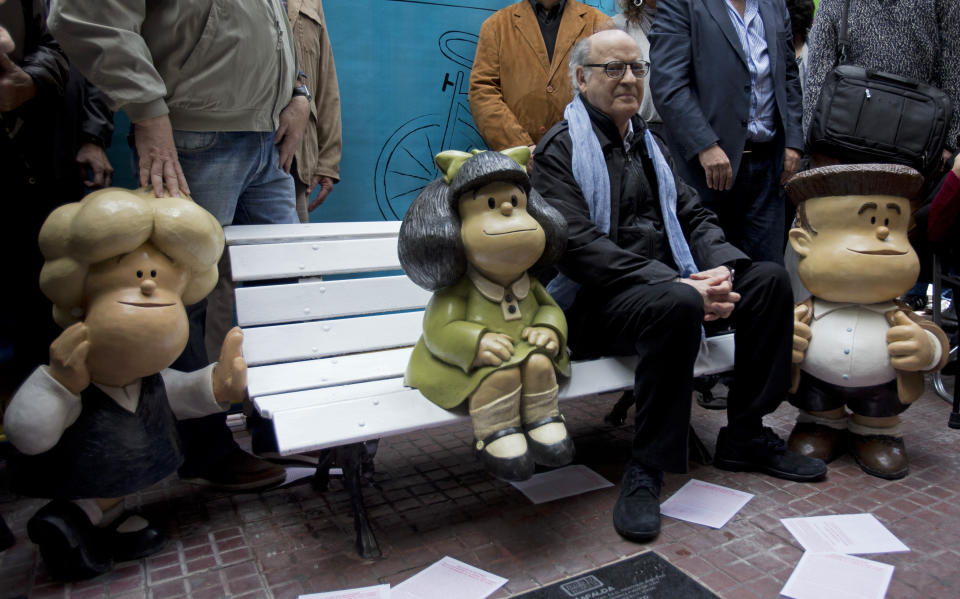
[716,289]
[495,348]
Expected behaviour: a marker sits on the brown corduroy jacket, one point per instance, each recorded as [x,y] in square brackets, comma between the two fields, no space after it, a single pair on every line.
[319,154]
[516,94]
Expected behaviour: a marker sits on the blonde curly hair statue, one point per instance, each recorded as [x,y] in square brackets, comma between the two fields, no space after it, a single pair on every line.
[112,222]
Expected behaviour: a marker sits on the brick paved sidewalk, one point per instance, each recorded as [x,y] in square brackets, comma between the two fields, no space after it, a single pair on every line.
[431,499]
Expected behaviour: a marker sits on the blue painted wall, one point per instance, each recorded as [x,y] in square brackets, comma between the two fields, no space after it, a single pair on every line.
[404,69]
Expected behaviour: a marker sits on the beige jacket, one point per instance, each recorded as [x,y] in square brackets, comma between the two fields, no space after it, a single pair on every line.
[212,65]
[515,93]
[322,145]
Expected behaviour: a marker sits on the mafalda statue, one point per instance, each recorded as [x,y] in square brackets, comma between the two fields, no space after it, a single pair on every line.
[98,423]
[855,348]
[491,334]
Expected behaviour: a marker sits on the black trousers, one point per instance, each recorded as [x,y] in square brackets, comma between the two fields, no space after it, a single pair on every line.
[662,325]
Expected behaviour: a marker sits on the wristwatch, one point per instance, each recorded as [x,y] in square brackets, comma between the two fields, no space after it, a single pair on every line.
[303,90]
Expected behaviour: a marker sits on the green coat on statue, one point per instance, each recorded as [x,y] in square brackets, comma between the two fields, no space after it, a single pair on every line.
[459,315]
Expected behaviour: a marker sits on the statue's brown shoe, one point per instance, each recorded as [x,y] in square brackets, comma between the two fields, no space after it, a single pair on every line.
[881,455]
[817,441]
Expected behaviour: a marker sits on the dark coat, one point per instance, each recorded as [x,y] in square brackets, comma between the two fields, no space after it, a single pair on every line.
[701,84]
[636,251]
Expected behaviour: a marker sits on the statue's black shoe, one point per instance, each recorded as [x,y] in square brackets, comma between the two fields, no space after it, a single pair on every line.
[70,545]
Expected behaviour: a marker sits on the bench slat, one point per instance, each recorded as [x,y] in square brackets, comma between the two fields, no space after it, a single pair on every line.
[254,234]
[303,259]
[354,420]
[324,338]
[268,405]
[327,372]
[274,304]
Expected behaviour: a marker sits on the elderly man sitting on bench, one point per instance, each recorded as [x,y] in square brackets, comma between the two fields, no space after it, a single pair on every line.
[645,266]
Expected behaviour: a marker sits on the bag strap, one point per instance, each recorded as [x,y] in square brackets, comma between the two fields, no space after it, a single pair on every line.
[842,40]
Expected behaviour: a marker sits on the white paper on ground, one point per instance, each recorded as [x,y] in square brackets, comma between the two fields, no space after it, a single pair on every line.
[380,591]
[448,578]
[844,533]
[705,503]
[560,483]
[837,576]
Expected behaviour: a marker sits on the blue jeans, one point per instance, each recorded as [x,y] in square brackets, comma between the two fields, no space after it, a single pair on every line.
[236,176]
[751,213]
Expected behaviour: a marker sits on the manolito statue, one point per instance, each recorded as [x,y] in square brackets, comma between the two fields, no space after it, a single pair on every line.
[859,356]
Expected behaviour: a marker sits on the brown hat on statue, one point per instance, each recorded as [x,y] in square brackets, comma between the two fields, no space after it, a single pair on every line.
[855,180]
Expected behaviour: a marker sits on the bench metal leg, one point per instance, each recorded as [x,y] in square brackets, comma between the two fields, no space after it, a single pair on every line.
[618,415]
[351,459]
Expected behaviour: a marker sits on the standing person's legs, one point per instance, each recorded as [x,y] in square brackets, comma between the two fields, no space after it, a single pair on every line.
[763,205]
[218,167]
[751,212]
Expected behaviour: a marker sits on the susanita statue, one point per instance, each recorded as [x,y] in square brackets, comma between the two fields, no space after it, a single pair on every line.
[98,423]
[492,336]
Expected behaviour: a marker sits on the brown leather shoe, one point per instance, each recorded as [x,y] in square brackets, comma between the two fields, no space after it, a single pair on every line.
[881,455]
[817,441]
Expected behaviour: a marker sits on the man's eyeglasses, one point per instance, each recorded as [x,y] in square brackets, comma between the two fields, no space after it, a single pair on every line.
[617,69]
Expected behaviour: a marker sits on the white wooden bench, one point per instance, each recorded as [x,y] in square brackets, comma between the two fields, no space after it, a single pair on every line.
[327,356]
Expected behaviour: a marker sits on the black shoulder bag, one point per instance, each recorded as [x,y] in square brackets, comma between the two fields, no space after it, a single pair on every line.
[870,116]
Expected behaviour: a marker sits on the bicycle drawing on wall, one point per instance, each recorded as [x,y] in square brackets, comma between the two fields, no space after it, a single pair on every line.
[405,163]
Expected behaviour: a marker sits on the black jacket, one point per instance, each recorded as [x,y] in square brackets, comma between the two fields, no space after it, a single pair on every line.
[636,251]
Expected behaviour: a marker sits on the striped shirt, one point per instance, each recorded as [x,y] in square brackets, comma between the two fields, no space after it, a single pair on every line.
[752,34]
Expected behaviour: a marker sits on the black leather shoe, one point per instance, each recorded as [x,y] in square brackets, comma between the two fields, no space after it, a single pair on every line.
[765,453]
[553,455]
[69,544]
[636,516]
[513,469]
[127,546]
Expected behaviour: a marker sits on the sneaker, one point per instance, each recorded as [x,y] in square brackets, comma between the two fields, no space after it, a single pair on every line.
[240,471]
[765,453]
[636,516]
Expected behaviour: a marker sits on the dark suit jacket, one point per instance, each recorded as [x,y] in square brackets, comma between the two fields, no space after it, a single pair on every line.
[701,84]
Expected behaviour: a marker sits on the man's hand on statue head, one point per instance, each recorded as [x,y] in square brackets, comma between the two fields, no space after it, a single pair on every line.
[493,350]
[159,163]
[801,332]
[230,373]
[68,358]
[16,87]
[909,346]
[543,337]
